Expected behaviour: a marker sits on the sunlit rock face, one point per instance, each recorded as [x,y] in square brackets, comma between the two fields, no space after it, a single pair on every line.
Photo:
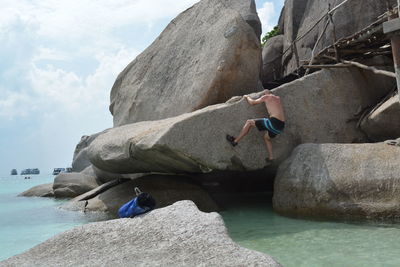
[319,108]
[206,55]
[339,181]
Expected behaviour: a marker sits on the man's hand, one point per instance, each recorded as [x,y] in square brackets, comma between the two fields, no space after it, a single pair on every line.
[248,98]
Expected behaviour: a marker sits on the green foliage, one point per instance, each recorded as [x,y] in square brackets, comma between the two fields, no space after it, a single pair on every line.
[269,35]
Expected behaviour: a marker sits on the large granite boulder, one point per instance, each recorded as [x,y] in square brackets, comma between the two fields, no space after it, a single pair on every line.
[80,160]
[178,235]
[248,10]
[164,188]
[272,60]
[205,56]
[319,108]
[301,15]
[383,123]
[68,185]
[43,190]
[339,181]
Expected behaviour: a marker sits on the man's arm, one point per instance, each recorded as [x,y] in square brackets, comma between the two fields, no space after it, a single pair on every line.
[256,101]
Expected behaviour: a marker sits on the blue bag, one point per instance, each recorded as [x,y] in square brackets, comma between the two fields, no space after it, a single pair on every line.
[142,203]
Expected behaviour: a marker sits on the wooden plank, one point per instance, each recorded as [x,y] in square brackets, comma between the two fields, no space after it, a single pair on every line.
[337,66]
[374,70]
[391,26]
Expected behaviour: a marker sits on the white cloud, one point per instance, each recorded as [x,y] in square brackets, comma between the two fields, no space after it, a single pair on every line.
[71,31]
[266,14]
[70,92]
[13,104]
[86,18]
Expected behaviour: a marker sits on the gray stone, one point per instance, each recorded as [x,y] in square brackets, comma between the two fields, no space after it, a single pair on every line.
[178,235]
[272,60]
[67,185]
[104,176]
[319,108]
[248,10]
[301,15]
[205,56]
[281,22]
[339,181]
[165,189]
[383,123]
[43,190]
[293,13]
[80,160]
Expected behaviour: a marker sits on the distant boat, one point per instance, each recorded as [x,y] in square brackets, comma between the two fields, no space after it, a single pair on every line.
[14,172]
[58,170]
[30,171]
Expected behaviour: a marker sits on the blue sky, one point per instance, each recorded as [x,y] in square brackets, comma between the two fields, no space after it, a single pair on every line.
[58,62]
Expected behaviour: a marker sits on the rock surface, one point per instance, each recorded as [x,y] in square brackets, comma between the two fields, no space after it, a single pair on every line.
[384,122]
[318,108]
[178,235]
[301,15]
[272,60]
[248,10]
[67,185]
[189,67]
[165,189]
[339,181]
[80,160]
[43,190]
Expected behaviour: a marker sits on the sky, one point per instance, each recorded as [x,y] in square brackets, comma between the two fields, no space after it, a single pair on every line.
[58,62]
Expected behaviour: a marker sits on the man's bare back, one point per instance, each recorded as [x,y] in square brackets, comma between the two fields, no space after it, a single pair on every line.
[272,103]
[274,107]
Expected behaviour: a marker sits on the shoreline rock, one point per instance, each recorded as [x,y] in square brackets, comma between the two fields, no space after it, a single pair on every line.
[68,185]
[346,181]
[178,235]
[43,190]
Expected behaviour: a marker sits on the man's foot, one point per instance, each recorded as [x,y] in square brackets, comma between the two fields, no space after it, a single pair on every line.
[231,140]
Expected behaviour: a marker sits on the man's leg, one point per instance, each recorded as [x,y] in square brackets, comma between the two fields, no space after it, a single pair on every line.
[268,142]
[245,130]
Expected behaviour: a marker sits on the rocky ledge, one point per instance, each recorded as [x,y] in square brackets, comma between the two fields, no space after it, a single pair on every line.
[178,235]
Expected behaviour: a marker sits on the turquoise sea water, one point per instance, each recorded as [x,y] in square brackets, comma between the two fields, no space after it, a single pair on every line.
[25,222]
[293,242]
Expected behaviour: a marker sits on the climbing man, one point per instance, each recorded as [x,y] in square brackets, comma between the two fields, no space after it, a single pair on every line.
[273,125]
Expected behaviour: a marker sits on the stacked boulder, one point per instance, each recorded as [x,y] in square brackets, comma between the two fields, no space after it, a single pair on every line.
[206,55]
[298,16]
[340,181]
[181,144]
